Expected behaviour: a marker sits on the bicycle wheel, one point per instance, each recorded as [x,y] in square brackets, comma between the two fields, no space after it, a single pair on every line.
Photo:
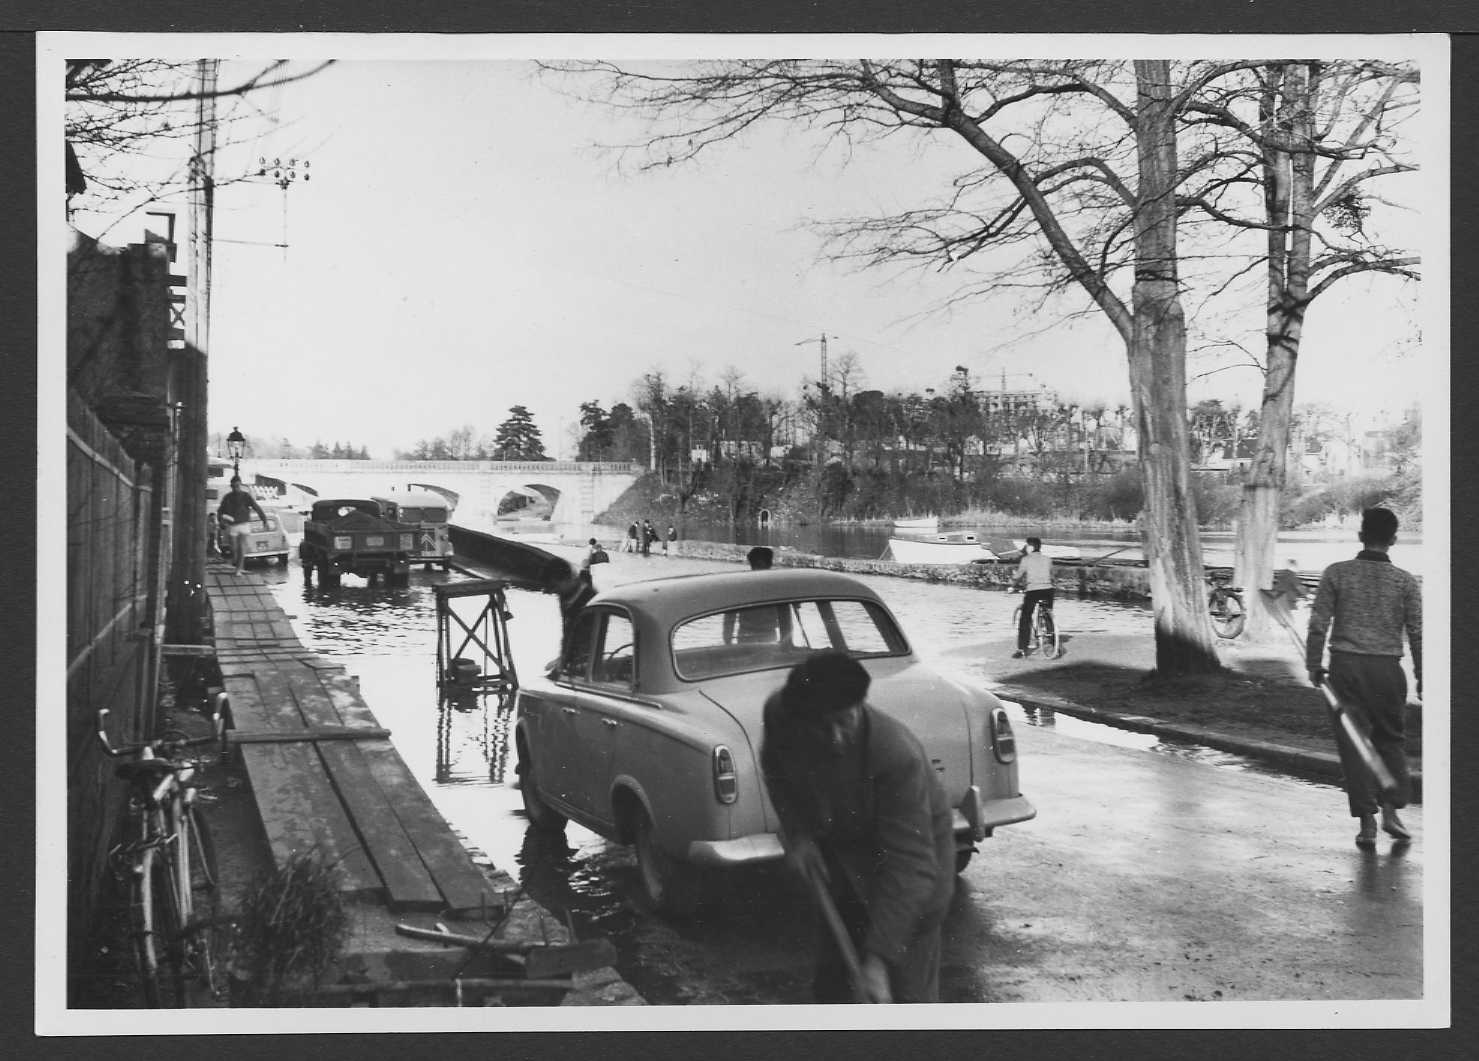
[200,942]
[1227,614]
[1047,633]
[203,855]
[155,914]
[1017,625]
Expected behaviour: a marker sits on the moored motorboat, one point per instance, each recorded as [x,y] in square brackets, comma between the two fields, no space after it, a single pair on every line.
[960,548]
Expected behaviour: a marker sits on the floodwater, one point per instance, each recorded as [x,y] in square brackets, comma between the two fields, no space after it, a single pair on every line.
[388,638]
[1309,550]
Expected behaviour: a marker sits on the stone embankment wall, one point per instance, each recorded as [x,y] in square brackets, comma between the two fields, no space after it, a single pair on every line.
[1120,582]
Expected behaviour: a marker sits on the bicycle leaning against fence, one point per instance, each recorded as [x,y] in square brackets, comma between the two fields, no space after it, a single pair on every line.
[1043,631]
[166,857]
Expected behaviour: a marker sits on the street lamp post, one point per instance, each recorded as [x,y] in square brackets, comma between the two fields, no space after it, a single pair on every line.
[236,447]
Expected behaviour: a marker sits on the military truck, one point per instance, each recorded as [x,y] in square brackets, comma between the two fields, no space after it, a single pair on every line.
[353,535]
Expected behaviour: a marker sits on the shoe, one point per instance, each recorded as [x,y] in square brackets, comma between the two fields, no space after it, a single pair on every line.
[1394,828]
[1366,839]
[1018,654]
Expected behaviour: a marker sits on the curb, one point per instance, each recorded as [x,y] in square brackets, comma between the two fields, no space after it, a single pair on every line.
[1319,766]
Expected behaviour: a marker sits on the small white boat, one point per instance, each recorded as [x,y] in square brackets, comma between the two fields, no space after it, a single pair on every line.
[918,525]
[958,548]
[1054,552]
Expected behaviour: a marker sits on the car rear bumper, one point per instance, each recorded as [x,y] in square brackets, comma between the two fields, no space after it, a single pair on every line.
[1006,811]
[978,816]
[757,847]
[975,818]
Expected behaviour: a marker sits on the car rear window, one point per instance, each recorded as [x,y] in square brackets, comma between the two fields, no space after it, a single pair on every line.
[767,636]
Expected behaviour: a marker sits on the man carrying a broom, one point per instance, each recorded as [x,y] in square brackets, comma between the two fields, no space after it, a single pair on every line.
[1366,605]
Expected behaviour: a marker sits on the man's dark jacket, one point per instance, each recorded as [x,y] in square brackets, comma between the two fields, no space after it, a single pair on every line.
[880,815]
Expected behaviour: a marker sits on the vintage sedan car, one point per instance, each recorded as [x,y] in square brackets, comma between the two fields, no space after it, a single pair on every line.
[267,541]
[647,728]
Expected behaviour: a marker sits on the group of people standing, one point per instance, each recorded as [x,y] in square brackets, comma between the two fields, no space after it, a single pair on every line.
[641,534]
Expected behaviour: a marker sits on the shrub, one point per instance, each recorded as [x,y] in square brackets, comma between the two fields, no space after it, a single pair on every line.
[290,929]
[1217,500]
[1119,498]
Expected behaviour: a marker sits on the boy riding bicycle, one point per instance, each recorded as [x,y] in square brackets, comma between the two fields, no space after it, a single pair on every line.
[1035,571]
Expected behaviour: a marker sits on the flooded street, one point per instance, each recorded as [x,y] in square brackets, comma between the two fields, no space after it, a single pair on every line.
[1168,890]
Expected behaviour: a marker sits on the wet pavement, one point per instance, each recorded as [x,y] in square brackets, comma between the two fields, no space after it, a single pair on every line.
[1146,877]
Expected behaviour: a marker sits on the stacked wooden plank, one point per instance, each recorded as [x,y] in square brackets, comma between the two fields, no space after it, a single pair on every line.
[324,773]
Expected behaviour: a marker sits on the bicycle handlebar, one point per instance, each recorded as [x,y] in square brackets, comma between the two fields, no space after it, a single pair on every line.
[147,749]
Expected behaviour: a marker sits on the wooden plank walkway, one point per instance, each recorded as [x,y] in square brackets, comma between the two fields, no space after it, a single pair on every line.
[325,776]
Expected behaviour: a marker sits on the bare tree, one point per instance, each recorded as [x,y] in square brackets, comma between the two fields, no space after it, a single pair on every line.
[1310,139]
[131,124]
[1080,183]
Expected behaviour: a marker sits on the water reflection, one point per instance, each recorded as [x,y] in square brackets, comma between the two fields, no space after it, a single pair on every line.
[473,736]
[1044,717]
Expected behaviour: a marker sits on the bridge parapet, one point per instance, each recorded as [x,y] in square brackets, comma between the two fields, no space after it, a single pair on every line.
[584,488]
[370,467]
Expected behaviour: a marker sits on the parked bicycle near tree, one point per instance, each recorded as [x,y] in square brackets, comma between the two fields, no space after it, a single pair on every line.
[166,857]
[1225,604]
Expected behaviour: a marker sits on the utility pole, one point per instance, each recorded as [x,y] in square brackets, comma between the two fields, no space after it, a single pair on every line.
[186,611]
[284,176]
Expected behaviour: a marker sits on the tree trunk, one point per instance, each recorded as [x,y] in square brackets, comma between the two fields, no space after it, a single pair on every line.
[1288,174]
[1157,351]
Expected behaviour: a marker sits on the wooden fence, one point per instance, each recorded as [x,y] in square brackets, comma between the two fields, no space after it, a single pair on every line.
[113,546]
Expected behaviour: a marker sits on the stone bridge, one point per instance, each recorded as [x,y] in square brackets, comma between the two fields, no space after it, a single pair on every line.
[571,491]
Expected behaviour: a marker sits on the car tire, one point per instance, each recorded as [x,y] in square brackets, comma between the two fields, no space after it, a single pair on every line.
[541,815]
[667,885]
[328,577]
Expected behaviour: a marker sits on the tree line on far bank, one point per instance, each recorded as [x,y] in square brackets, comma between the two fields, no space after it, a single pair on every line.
[840,450]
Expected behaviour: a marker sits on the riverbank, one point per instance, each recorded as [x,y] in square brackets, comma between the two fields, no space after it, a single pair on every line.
[1260,706]
[1114,581]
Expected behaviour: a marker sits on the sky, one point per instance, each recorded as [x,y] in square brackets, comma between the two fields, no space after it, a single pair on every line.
[464,245]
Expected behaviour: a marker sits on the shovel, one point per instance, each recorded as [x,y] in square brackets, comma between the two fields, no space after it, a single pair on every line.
[839,932]
[1358,740]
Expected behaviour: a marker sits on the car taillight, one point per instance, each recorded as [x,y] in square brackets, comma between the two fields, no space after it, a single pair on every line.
[343,543]
[726,781]
[1003,741]
[408,542]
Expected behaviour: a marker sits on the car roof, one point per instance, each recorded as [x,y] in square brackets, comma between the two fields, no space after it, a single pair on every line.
[675,597]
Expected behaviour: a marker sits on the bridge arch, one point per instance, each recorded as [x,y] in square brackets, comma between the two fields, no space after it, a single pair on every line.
[575,491]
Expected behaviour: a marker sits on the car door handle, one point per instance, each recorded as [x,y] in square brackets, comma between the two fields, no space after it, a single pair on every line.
[571,710]
[610,722]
